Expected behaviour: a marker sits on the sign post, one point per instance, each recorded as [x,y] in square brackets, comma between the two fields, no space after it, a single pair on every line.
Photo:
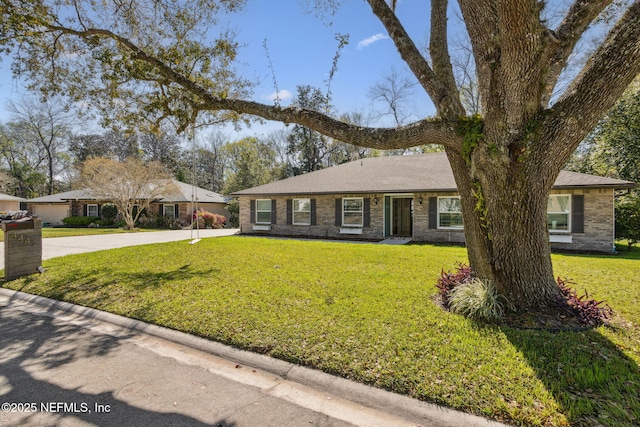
[22,247]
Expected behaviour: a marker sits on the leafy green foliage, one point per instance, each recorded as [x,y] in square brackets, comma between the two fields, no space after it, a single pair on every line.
[233,207]
[111,62]
[312,148]
[628,219]
[80,221]
[471,129]
[109,211]
[613,148]
[250,163]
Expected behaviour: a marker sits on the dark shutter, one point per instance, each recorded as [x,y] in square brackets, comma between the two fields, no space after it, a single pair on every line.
[84,210]
[100,211]
[577,213]
[313,212]
[366,214]
[289,211]
[273,211]
[433,213]
[338,212]
[176,211]
[252,211]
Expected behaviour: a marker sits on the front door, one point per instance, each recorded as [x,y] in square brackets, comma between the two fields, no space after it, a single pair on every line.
[402,217]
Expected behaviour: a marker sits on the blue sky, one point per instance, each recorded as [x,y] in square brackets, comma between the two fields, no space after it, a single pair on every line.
[301,47]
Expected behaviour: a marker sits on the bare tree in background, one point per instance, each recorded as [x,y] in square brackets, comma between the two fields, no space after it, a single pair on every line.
[131,185]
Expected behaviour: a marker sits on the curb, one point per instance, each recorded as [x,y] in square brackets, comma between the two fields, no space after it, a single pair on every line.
[406,407]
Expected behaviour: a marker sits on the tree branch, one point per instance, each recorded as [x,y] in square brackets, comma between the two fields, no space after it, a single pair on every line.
[427,131]
[415,134]
[439,50]
[607,74]
[563,40]
[447,105]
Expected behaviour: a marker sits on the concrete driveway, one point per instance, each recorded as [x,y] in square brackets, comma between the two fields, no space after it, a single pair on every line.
[61,246]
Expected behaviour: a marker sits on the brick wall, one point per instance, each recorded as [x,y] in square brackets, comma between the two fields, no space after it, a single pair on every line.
[598,220]
[325,219]
[599,225]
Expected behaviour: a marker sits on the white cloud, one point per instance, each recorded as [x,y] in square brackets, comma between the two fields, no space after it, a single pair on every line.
[370,40]
[281,95]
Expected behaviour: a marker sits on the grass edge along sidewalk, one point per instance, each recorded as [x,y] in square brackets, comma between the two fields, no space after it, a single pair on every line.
[366,312]
[385,402]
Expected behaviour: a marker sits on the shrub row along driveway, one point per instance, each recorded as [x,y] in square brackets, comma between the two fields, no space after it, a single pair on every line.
[60,246]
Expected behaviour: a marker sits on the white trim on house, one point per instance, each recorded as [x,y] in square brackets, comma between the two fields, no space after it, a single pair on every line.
[361,212]
[455,227]
[351,230]
[295,209]
[261,228]
[91,206]
[560,238]
[172,211]
[552,224]
[259,211]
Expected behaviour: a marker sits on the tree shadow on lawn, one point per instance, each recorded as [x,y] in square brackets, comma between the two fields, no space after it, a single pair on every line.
[106,288]
[591,379]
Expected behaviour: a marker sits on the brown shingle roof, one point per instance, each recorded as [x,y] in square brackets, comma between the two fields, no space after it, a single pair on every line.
[8,198]
[398,174]
[181,192]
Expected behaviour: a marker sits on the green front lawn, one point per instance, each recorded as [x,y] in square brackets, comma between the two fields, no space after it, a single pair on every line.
[366,312]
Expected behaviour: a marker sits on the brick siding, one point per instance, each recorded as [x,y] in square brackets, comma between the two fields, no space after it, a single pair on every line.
[597,237]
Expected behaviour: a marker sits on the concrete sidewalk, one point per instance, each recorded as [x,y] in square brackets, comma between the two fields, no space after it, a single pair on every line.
[68,365]
[61,246]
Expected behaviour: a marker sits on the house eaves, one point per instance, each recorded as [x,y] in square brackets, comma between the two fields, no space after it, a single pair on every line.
[420,173]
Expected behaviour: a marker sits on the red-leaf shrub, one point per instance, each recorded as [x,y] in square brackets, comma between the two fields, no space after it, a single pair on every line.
[588,311]
[449,280]
[211,220]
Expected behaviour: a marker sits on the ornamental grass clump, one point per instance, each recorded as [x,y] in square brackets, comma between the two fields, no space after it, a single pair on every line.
[476,299]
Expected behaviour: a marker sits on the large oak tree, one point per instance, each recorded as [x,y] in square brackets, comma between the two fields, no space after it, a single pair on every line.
[150,59]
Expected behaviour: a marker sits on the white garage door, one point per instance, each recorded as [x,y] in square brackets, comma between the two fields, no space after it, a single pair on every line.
[51,214]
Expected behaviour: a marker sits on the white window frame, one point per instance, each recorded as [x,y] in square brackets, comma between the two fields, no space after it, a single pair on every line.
[92,205]
[568,213]
[263,210]
[295,211]
[457,227]
[173,210]
[361,211]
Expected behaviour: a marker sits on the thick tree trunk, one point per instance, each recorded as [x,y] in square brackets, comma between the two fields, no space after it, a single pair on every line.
[504,208]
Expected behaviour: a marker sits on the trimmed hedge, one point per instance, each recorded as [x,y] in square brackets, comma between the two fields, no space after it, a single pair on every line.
[80,221]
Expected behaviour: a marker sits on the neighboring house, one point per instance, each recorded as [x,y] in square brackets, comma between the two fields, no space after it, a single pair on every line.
[414,196]
[10,203]
[52,209]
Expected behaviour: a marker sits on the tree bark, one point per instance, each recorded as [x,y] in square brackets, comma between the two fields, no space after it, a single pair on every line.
[506,231]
